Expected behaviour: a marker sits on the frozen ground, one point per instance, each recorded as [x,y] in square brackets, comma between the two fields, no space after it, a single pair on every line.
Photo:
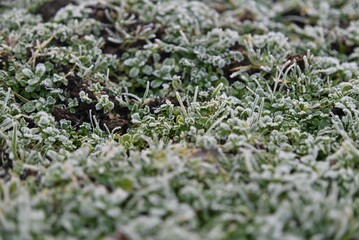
[139,119]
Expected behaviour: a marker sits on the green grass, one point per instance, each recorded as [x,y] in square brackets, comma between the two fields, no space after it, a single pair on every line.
[175,119]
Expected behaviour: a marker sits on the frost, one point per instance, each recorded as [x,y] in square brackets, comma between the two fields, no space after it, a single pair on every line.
[179,120]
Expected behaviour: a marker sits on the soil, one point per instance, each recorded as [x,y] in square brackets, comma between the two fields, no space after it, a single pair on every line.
[49,9]
[60,113]
[4,59]
[61,68]
[299,59]
[296,16]
[338,112]
[27,173]
[229,69]
[6,164]
[220,7]
[99,13]
[119,49]
[153,104]
[30,122]
[246,16]
[120,236]
[343,46]
[204,154]
[119,116]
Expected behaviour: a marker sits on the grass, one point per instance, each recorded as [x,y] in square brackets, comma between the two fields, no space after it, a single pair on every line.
[170,119]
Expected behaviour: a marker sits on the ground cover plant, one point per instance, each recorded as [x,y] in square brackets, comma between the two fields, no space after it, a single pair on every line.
[175,119]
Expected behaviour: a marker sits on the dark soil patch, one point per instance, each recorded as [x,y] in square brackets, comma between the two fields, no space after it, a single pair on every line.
[220,7]
[4,59]
[206,154]
[338,112]
[62,68]
[59,43]
[6,164]
[100,11]
[346,19]
[119,117]
[49,9]
[298,58]
[111,124]
[246,16]
[119,235]
[27,173]
[60,113]
[30,122]
[118,49]
[153,104]
[234,65]
[343,46]
[297,16]
[29,52]
[294,15]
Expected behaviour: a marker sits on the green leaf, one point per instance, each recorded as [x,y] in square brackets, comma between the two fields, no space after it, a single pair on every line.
[156,83]
[40,69]
[134,72]
[27,72]
[33,80]
[29,107]
[124,183]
